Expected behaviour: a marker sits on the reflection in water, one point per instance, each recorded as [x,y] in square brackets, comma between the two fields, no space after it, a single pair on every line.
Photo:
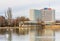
[15,37]
[26,36]
[20,38]
[3,38]
[8,35]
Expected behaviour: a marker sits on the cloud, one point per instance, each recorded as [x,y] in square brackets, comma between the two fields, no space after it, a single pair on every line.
[21,7]
[14,3]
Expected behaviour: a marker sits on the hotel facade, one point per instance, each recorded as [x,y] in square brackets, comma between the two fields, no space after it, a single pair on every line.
[46,15]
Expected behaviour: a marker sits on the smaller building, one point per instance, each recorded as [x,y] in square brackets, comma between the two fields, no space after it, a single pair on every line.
[35,15]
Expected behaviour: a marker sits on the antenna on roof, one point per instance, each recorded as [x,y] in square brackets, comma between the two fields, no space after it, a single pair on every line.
[49,4]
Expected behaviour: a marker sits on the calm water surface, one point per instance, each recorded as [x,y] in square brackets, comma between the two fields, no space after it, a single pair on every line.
[26,37]
[15,37]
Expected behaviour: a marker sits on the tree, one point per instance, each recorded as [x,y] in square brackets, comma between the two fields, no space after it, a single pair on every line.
[21,19]
[27,19]
[2,21]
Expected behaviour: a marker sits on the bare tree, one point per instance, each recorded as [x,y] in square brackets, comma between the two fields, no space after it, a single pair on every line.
[2,21]
[21,19]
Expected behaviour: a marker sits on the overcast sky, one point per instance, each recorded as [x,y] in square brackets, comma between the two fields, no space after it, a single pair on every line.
[22,7]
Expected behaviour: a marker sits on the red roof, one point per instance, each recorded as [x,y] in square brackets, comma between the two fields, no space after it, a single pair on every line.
[49,8]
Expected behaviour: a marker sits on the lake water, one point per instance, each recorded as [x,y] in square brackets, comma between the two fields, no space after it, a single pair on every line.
[15,37]
[26,37]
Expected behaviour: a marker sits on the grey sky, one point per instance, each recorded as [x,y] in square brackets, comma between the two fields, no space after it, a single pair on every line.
[22,7]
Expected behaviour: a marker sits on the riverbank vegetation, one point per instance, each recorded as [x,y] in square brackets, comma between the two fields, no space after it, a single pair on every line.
[12,22]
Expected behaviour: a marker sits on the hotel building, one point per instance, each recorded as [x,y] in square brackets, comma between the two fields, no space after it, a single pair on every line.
[46,15]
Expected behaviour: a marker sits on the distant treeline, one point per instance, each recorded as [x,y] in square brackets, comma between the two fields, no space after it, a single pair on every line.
[12,22]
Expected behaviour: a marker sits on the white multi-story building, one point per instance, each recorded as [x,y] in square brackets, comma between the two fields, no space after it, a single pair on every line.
[35,15]
[9,13]
[46,15]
